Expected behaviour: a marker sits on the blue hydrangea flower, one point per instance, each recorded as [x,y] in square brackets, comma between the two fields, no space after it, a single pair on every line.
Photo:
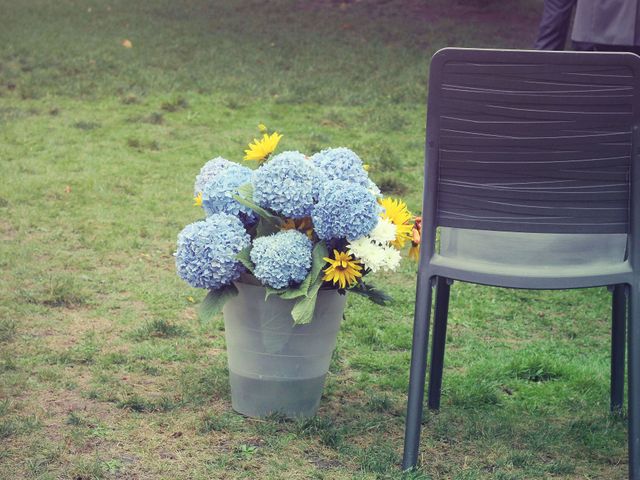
[341,164]
[288,184]
[374,189]
[208,172]
[217,196]
[345,210]
[281,259]
[205,257]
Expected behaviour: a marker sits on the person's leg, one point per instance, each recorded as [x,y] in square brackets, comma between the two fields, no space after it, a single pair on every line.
[554,25]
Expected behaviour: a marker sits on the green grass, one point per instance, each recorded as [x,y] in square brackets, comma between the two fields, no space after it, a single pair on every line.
[105,371]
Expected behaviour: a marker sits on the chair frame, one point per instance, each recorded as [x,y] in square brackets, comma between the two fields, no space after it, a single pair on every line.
[624,284]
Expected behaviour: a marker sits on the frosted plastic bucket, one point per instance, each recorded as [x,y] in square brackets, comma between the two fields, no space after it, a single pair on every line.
[276,366]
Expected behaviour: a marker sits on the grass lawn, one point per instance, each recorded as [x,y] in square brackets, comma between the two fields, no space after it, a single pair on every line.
[105,370]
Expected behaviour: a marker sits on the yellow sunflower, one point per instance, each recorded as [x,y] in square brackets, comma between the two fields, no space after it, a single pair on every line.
[261,149]
[396,211]
[197,200]
[343,269]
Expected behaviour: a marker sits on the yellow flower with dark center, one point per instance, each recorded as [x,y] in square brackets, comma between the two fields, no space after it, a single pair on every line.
[260,150]
[197,200]
[396,211]
[342,270]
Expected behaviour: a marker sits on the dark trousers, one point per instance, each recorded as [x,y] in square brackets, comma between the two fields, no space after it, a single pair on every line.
[554,25]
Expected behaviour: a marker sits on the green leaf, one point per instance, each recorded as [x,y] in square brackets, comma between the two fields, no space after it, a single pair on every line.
[266,227]
[302,311]
[272,291]
[245,197]
[292,293]
[319,252]
[372,293]
[246,190]
[244,257]
[214,301]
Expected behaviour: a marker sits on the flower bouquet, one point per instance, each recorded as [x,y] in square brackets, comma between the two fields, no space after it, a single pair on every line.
[280,246]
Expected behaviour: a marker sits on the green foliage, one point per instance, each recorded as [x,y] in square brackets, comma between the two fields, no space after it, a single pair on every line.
[7,329]
[245,451]
[324,428]
[225,422]
[302,311]
[372,293]
[84,352]
[159,328]
[59,290]
[136,403]
[269,223]
[75,419]
[214,301]
[18,425]
[197,385]
[380,458]
[5,406]
[244,257]
[538,367]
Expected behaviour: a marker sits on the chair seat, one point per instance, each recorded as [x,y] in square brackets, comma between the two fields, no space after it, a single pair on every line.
[544,277]
[531,260]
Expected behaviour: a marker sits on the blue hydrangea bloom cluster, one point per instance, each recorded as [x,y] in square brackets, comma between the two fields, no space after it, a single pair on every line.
[341,164]
[281,259]
[205,257]
[208,172]
[345,210]
[288,184]
[217,196]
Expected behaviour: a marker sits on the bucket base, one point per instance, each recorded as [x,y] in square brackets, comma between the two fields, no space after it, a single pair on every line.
[259,398]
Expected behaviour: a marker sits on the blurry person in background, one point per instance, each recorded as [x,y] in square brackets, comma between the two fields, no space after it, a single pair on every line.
[554,26]
[610,25]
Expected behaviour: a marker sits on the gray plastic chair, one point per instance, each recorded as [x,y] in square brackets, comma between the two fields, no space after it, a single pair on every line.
[532,178]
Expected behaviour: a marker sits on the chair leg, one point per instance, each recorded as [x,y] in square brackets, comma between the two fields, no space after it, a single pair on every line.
[439,339]
[417,372]
[618,321]
[633,366]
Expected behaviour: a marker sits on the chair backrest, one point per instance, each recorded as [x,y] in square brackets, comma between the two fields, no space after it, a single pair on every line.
[530,141]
